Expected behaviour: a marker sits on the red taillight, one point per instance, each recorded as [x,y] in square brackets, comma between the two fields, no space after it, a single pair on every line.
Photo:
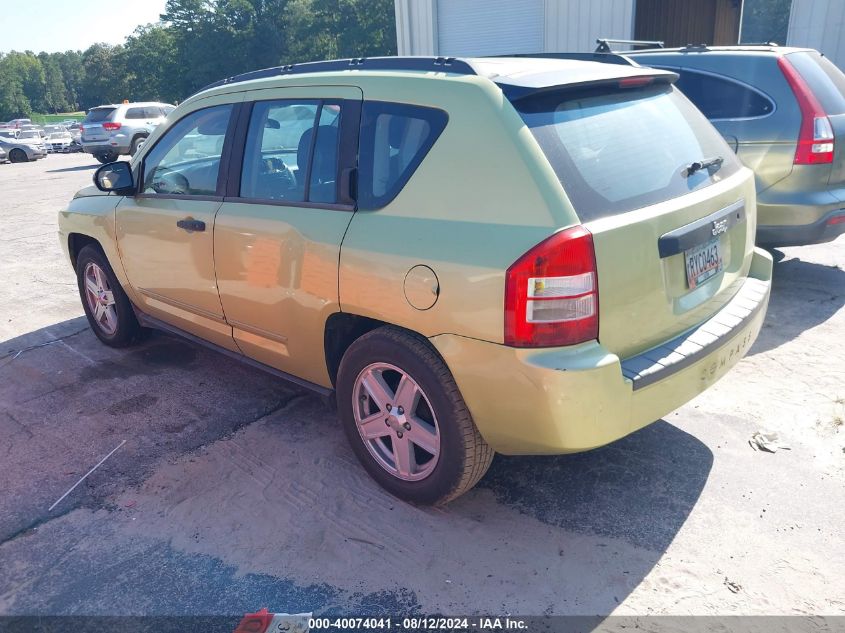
[815,137]
[836,219]
[551,292]
[111,126]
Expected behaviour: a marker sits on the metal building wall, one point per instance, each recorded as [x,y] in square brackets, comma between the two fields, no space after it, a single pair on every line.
[574,25]
[568,25]
[819,24]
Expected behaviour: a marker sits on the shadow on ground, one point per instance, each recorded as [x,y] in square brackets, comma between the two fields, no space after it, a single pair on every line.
[568,534]
[79,168]
[804,295]
[640,489]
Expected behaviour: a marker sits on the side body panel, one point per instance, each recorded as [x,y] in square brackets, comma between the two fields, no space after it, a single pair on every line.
[483,196]
[277,268]
[170,269]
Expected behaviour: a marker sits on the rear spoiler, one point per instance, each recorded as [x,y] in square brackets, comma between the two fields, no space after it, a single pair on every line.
[542,83]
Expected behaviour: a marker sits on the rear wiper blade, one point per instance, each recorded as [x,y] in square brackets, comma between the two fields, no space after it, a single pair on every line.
[704,163]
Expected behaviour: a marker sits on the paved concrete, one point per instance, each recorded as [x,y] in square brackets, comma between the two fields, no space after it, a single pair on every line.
[234,491]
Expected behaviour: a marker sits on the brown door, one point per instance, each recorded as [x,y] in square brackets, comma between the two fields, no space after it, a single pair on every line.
[680,22]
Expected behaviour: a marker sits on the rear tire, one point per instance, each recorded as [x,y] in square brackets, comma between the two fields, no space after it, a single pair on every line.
[451,455]
[106,305]
[106,158]
[18,156]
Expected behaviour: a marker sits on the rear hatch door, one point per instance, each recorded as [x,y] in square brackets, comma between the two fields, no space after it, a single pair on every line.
[92,126]
[671,209]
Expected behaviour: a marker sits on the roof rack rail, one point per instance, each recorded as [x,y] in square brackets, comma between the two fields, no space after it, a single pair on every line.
[605,42]
[605,58]
[432,64]
[695,47]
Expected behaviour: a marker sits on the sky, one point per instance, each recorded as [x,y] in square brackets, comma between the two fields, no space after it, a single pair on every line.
[60,25]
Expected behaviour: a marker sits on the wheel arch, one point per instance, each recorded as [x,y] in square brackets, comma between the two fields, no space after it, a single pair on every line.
[344,328]
[76,242]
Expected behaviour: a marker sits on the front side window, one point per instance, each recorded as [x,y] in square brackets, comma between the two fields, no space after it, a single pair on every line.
[281,140]
[186,160]
[722,98]
[135,113]
[395,138]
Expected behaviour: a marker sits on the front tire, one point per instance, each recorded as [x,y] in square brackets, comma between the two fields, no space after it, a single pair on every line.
[406,420]
[18,156]
[136,145]
[106,305]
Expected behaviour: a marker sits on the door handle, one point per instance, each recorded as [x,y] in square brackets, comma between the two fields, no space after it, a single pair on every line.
[191,225]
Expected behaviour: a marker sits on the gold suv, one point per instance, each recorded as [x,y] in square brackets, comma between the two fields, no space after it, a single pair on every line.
[520,255]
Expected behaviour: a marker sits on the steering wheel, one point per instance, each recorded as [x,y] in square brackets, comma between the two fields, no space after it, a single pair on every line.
[165,180]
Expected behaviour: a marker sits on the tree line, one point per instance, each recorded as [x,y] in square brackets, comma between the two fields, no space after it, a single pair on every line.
[195,43]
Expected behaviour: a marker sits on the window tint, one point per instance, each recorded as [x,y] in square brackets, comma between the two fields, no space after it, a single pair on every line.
[619,151]
[825,80]
[152,112]
[394,140]
[186,160]
[135,113]
[97,115]
[721,98]
[279,144]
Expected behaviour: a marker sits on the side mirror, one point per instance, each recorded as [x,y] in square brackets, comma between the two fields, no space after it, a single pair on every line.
[116,177]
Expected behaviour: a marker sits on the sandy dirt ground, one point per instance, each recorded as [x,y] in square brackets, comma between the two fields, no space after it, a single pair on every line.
[235,491]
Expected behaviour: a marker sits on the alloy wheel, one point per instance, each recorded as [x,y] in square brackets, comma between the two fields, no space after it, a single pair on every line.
[100,298]
[396,421]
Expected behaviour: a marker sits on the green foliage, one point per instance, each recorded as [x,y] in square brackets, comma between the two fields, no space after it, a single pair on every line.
[765,21]
[196,43]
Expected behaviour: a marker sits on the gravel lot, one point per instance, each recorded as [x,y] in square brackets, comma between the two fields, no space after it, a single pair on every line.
[235,492]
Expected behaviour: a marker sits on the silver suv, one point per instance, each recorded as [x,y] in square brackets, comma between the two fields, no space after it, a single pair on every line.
[113,130]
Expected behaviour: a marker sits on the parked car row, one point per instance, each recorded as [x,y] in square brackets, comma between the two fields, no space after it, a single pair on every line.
[24,141]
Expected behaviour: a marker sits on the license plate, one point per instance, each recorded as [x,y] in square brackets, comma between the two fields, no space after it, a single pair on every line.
[703,262]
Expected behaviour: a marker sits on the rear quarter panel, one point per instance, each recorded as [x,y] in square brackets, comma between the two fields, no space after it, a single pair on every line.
[484,195]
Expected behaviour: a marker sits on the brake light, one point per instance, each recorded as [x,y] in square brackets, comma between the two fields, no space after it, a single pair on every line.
[111,126]
[815,137]
[836,219]
[551,292]
[635,82]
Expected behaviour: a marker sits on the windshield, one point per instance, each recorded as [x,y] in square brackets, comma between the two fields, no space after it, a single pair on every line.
[616,151]
[29,134]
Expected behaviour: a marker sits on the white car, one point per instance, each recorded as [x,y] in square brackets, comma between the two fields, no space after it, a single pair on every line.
[59,138]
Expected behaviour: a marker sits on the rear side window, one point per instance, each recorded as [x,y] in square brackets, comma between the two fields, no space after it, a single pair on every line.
[98,115]
[135,113]
[395,139]
[291,152]
[619,151]
[720,98]
[825,80]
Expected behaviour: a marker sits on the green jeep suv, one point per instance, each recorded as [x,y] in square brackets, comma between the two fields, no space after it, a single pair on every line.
[523,255]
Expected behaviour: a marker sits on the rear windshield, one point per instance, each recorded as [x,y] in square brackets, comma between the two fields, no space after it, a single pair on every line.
[825,80]
[623,150]
[98,115]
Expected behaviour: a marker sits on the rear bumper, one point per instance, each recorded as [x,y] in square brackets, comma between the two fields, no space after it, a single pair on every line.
[564,400]
[827,229]
[104,147]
